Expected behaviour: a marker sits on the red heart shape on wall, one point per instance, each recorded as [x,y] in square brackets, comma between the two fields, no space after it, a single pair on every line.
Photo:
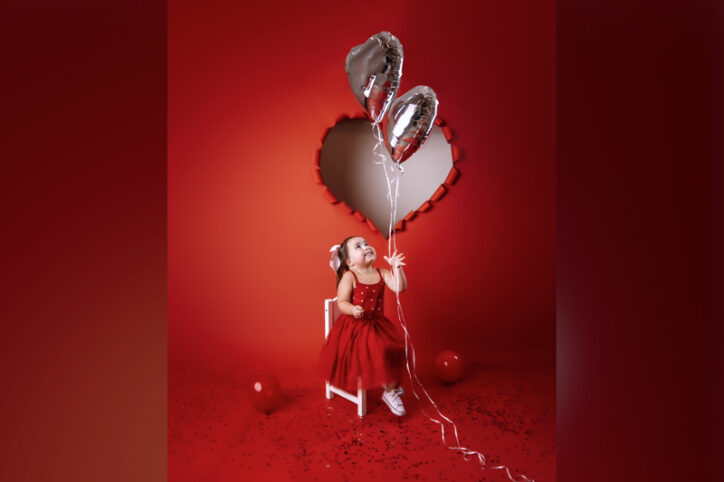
[345,166]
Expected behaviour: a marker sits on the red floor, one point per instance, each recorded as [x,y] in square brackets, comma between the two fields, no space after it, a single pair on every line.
[505,412]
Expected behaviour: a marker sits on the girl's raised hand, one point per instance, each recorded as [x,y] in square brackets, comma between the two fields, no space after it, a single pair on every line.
[395,260]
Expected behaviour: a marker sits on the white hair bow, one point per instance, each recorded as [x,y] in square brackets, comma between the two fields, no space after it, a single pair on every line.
[334,261]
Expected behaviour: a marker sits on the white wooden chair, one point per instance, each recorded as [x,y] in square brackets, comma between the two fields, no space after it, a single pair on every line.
[331,312]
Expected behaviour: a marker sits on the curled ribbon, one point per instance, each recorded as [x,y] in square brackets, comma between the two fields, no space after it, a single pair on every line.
[466,452]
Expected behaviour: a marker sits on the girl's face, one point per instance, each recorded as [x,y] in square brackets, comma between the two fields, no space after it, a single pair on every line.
[359,252]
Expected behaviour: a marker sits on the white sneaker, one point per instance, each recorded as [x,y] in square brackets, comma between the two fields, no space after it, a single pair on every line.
[392,399]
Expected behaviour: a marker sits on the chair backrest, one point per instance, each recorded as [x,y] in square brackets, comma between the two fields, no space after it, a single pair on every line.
[331,313]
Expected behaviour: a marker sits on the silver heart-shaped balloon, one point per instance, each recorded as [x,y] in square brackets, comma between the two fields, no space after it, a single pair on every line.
[411,118]
[374,69]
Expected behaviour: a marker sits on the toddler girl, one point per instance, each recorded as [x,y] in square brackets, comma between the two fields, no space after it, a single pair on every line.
[363,348]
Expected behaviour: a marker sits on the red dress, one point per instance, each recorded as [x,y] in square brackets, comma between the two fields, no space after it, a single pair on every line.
[370,347]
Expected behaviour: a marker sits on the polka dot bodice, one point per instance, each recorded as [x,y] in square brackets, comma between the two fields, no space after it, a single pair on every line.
[370,297]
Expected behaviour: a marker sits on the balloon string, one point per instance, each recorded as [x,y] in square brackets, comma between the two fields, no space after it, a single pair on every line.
[409,347]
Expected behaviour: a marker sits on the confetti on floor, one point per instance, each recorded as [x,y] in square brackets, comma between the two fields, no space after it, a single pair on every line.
[506,412]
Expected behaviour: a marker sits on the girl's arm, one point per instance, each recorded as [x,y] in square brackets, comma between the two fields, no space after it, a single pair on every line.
[389,277]
[344,294]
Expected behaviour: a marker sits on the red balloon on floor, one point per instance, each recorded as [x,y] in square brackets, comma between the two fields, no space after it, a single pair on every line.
[449,366]
[265,393]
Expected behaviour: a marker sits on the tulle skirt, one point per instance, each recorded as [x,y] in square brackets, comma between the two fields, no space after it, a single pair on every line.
[362,353]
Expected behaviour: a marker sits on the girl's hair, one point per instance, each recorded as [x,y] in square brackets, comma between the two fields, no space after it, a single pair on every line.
[343,257]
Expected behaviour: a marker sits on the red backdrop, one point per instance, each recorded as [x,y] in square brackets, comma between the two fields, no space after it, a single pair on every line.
[251,91]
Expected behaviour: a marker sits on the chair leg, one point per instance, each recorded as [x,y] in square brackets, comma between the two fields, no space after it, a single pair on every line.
[327,392]
[362,405]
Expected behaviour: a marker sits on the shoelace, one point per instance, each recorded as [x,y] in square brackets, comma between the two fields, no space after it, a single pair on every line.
[394,396]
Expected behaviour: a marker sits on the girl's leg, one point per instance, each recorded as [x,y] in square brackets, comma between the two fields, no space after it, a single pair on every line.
[391,386]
